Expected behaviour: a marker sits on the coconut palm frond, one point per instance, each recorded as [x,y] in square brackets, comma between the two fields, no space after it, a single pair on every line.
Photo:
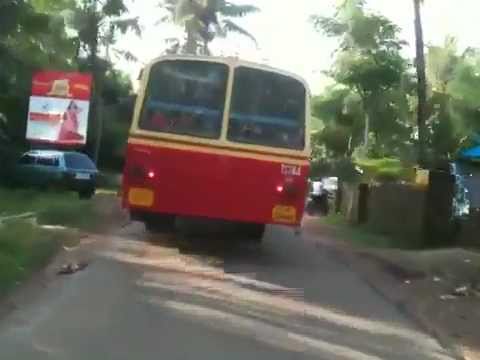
[230,26]
[232,10]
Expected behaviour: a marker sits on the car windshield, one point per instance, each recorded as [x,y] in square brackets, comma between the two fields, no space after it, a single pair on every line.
[267,109]
[79,161]
[185,97]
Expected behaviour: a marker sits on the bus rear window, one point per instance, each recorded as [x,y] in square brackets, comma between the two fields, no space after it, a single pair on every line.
[267,109]
[185,97]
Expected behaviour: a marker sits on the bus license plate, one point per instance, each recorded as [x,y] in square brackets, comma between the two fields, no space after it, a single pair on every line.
[140,197]
[284,214]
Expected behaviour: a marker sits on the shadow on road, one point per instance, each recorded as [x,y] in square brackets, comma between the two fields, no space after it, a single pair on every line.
[283,294]
[222,240]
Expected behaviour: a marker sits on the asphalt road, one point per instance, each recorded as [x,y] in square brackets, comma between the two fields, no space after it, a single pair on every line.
[190,297]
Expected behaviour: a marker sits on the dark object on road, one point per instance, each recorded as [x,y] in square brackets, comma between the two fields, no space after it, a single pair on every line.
[318,199]
[318,204]
[72,268]
[58,169]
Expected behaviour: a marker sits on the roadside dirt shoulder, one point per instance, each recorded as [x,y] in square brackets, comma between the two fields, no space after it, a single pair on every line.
[439,289]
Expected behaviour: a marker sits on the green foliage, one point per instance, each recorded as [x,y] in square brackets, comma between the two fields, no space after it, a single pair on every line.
[386,169]
[116,127]
[117,86]
[370,107]
[23,249]
[370,112]
[98,23]
[57,35]
[453,116]
[29,39]
[25,246]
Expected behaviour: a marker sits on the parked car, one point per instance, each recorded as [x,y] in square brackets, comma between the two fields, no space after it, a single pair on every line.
[64,169]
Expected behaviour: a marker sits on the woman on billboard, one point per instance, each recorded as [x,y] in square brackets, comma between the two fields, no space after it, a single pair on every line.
[70,124]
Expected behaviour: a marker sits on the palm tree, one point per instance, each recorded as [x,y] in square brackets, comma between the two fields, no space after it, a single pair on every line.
[203,21]
[422,83]
[97,23]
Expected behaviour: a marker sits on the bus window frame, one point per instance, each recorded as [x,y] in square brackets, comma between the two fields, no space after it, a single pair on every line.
[222,141]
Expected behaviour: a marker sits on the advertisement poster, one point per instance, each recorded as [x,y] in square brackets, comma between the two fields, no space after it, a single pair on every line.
[59,105]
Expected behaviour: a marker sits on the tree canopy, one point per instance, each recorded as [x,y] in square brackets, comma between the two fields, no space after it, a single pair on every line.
[371,111]
[69,35]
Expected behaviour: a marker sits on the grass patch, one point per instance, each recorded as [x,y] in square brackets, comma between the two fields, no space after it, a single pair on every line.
[24,248]
[359,235]
[60,208]
[75,214]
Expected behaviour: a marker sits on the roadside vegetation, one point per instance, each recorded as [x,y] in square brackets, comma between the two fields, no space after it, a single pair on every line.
[60,208]
[24,248]
[365,237]
[26,243]
[386,113]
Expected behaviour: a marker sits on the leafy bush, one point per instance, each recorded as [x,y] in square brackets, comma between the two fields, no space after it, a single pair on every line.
[386,170]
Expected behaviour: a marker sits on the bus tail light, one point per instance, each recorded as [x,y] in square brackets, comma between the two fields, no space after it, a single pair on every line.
[279,189]
[151,174]
[140,173]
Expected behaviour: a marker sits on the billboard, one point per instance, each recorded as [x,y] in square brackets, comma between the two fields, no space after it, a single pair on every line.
[59,106]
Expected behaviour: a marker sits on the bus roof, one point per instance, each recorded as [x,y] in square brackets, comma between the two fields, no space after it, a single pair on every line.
[232,61]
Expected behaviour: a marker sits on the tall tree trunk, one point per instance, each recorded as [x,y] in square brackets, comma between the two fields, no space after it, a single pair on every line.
[206,49]
[366,132]
[191,43]
[422,84]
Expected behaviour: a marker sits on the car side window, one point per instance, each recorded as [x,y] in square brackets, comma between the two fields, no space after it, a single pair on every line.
[27,160]
[48,161]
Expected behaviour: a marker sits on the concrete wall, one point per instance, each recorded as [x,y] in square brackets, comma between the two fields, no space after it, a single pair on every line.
[417,216]
[391,209]
[397,210]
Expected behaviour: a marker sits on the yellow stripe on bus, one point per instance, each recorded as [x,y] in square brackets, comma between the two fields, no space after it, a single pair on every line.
[216,151]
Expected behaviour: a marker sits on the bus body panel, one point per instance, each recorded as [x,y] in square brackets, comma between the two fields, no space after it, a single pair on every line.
[236,187]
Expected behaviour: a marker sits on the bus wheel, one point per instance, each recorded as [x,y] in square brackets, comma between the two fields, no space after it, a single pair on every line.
[160,223]
[255,232]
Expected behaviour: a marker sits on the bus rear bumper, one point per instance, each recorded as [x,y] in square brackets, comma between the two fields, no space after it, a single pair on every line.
[286,215]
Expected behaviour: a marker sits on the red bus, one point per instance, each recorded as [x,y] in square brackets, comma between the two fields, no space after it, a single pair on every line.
[218,138]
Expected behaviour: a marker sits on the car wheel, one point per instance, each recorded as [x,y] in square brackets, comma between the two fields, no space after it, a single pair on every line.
[86,194]
[160,223]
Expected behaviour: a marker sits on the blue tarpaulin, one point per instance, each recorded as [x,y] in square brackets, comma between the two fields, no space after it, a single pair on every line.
[473,153]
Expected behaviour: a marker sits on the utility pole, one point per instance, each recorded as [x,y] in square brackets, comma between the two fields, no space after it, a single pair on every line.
[421,83]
